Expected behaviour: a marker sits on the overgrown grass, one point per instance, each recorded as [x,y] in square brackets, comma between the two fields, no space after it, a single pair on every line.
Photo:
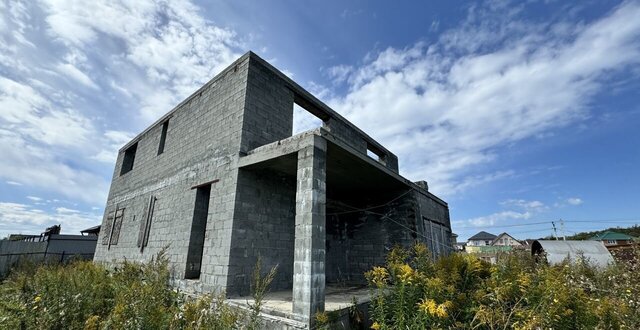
[463,292]
[84,295]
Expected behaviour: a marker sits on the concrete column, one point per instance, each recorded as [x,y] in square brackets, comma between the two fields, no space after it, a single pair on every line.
[309,255]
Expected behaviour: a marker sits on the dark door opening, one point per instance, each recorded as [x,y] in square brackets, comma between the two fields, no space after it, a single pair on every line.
[198,227]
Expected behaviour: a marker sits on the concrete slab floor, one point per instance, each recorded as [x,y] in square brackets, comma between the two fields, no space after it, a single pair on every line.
[280,302]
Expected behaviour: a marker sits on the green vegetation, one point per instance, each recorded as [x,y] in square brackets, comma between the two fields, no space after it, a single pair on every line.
[631,231]
[410,292]
[84,295]
[462,292]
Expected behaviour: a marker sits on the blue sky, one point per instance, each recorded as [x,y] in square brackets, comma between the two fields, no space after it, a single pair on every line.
[518,114]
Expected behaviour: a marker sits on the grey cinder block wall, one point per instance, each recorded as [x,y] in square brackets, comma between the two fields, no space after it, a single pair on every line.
[220,181]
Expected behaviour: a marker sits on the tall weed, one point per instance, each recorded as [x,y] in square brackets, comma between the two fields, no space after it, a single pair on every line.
[463,292]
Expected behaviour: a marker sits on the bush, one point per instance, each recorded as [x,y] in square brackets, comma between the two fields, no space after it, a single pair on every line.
[461,292]
[84,295]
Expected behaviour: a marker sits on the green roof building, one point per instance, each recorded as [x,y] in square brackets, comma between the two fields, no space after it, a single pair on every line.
[613,238]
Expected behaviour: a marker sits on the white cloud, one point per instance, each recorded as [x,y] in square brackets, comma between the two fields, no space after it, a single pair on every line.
[530,206]
[77,75]
[339,73]
[574,201]
[499,217]
[13,183]
[34,198]
[64,210]
[169,49]
[445,108]
[54,116]
[28,112]
[40,167]
[32,220]
[515,209]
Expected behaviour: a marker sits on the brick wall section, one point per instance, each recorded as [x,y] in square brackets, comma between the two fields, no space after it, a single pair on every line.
[433,218]
[357,242]
[347,135]
[202,144]
[268,115]
[264,225]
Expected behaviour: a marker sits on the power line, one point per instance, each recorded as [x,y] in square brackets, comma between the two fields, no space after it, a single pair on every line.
[506,226]
[356,210]
[368,209]
[550,221]
[410,229]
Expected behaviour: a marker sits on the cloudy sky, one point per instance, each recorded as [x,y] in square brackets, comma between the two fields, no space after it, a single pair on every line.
[516,114]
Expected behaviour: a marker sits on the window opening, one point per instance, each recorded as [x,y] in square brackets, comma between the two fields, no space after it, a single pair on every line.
[128,159]
[198,227]
[377,154]
[163,137]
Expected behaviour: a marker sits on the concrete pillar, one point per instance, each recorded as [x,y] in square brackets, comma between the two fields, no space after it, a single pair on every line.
[309,256]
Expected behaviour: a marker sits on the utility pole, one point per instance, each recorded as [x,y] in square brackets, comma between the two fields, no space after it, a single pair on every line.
[564,237]
[555,231]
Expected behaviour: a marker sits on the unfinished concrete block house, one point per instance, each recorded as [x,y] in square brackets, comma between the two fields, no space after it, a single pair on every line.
[220,180]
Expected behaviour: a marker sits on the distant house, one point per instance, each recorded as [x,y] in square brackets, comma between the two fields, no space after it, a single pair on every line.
[612,238]
[481,239]
[487,246]
[505,239]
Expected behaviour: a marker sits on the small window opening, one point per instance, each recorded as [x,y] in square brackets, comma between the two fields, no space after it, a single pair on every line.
[129,157]
[198,228]
[377,154]
[163,137]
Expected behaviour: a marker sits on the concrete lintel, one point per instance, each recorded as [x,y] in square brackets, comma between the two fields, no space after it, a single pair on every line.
[279,148]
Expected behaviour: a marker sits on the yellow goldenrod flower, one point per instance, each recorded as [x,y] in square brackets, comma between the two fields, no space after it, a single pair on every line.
[378,276]
[405,273]
[428,306]
[375,326]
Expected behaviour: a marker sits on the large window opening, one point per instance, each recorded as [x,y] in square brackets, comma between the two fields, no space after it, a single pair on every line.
[198,227]
[163,137]
[129,157]
[304,120]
